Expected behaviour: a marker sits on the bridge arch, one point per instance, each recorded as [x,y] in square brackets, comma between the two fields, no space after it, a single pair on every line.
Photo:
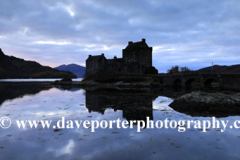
[193,83]
[209,82]
[189,81]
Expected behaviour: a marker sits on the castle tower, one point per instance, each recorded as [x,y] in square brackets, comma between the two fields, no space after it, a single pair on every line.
[138,52]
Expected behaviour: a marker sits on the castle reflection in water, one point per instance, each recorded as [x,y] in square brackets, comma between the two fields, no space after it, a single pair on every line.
[134,106]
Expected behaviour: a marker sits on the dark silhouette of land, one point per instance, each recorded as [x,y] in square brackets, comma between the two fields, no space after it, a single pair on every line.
[12,67]
[234,69]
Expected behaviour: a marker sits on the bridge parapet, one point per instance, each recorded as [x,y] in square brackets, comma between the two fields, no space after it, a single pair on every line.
[226,81]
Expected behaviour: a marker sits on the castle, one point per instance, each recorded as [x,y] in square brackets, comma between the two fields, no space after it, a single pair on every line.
[136,60]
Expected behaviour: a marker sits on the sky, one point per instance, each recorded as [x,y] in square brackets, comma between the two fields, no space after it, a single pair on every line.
[191,33]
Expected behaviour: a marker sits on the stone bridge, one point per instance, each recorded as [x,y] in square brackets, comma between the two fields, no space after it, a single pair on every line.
[225,81]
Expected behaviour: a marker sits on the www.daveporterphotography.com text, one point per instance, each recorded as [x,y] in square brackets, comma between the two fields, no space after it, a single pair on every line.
[181,125]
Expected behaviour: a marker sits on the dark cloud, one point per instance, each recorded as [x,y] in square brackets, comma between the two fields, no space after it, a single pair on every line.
[187,33]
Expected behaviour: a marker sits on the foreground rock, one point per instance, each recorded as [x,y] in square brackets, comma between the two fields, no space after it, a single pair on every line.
[208,104]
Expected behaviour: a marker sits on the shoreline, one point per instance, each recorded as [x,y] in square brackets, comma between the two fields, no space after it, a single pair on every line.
[191,103]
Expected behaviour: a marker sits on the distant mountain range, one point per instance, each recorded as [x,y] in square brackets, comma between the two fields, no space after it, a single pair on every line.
[12,67]
[221,69]
[78,70]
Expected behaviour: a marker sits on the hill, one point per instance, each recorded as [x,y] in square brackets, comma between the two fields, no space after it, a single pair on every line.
[13,67]
[78,70]
[234,69]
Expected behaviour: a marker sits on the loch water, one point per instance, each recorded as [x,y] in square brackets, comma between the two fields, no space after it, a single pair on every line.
[45,102]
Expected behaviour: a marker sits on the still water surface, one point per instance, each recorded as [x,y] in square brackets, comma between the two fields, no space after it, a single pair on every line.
[40,102]
[36,80]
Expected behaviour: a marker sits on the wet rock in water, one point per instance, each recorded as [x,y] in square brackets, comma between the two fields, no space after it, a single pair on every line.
[66,80]
[91,83]
[119,83]
[56,82]
[208,104]
[57,130]
[145,84]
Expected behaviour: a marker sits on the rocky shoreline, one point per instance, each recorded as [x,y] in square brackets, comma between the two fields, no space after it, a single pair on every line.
[208,104]
[195,104]
[120,84]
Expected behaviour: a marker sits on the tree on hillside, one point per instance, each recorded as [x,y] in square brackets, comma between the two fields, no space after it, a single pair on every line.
[175,70]
[185,70]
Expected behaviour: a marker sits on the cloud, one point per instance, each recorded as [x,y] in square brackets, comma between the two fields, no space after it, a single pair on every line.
[67,31]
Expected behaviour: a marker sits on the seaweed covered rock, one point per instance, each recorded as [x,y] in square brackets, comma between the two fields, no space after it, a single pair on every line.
[66,80]
[208,104]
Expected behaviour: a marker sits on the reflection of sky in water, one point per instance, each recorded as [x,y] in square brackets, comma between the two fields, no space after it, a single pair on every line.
[161,103]
[106,143]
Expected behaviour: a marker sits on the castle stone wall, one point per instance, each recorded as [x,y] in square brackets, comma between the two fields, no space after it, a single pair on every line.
[137,59]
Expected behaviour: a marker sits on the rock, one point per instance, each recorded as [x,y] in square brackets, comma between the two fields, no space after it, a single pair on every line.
[156,84]
[211,98]
[57,130]
[208,104]
[145,84]
[56,82]
[119,83]
[91,83]
[66,80]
